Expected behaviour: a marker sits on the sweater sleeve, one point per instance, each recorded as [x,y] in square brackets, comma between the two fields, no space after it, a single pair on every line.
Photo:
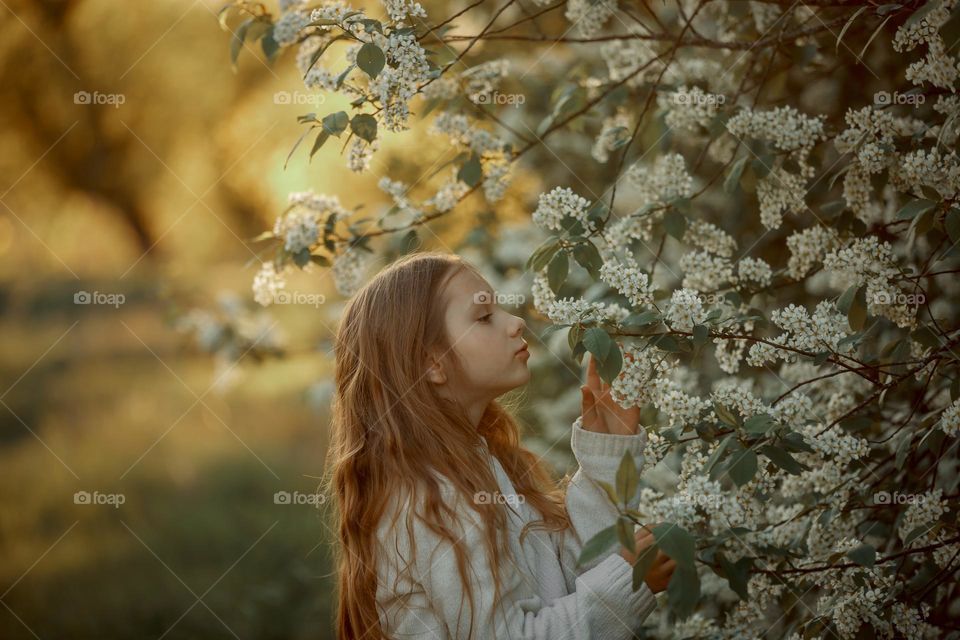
[589,507]
[603,604]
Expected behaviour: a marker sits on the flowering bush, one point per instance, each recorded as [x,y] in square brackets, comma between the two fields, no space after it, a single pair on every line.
[759,247]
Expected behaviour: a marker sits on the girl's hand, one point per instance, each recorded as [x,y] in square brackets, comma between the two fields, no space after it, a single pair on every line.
[660,572]
[600,413]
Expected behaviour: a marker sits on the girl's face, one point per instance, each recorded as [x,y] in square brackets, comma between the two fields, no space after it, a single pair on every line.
[486,340]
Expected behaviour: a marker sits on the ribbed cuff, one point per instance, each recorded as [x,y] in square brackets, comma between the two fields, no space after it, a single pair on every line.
[605,444]
[617,605]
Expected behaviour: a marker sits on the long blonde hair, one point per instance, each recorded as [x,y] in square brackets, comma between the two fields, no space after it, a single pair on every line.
[392,431]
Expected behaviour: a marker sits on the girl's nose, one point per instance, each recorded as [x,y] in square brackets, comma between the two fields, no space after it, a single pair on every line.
[521,326]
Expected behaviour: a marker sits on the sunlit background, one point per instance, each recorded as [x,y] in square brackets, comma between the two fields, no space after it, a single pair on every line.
[152,488]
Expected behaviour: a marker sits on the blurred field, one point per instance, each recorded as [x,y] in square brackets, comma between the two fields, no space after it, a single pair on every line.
[103,412]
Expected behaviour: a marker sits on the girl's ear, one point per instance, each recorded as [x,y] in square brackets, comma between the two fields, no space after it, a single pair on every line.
[435,372]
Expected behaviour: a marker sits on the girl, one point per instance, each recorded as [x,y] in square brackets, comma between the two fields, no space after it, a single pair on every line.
[449,528]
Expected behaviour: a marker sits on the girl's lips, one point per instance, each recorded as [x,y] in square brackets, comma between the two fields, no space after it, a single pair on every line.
[524,352]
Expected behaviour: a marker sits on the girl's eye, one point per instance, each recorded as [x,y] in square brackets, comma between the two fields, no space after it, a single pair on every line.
[486,318]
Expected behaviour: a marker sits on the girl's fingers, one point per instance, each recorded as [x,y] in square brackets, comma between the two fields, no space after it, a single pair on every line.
[593,377]
[591,417]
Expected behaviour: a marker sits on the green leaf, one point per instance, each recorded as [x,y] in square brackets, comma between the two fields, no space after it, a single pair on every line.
[666,342]
[726,415]
[627,477]
[857,316]
[743,467]
[683,592]
[846,299]
[336,123]
[236,42]
[718,452]
[676,542]
[642,566]
[733,178]
[700,335]
[302,257]
[914,208]
[541,257]
[951,224]
[321,138]
[737,575]
[409,242]
[641,319]
[675,223]
[782,459]
[297,144]
[597,545]
[586,254]
[470,173]
[365,126]
[598,342]
[269,45]
[557,271]
[370,59]
[610,491]
[759,423]
[864,555]
[609,369]
[625,534]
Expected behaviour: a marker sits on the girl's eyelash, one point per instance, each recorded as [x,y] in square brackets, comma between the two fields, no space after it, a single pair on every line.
[484,318]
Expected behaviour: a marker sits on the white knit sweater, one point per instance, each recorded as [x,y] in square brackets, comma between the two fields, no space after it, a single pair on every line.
[545,594]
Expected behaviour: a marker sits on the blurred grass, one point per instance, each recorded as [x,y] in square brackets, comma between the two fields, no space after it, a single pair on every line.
[199,512]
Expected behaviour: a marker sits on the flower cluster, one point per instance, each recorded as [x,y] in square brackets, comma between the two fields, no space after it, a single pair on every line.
[627,278]
[802,331]
[867,261]
[557,210]
[685,309]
